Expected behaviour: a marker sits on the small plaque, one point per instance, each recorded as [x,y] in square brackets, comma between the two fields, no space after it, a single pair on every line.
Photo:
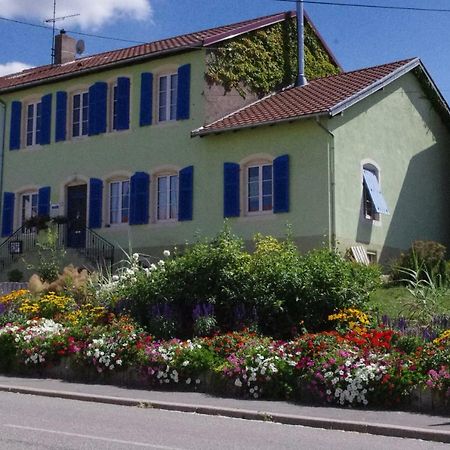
[15,247]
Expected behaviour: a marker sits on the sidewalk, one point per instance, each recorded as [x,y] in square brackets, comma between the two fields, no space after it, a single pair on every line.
[387,423]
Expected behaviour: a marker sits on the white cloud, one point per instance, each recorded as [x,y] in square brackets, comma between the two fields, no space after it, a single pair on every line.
[12,67]
[93,13]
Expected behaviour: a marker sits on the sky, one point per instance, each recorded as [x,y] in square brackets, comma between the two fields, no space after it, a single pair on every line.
[358,37]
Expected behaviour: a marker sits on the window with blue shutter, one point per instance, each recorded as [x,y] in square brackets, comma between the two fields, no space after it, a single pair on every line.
[44,201]
[186,193]
[98,103]
[139,198]
[15,127]
[46,119]
[146,112]
[183,92]
[95,202]
[123,103]
[281,184]
[8,214]
[373,188]
[61,116]
[231,199]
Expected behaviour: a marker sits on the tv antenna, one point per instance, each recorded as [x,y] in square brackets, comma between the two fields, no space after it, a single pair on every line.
[53,21]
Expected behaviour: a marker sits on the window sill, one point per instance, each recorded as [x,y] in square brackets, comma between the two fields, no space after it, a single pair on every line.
[257,216]
[165,223]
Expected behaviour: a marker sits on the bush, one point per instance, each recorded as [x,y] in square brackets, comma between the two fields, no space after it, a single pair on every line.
[15,275]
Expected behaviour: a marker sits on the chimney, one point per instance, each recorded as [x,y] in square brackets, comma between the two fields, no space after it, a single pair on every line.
[65,48]
[301,79]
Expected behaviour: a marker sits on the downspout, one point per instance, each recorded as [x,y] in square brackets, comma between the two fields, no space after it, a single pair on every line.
[331,187]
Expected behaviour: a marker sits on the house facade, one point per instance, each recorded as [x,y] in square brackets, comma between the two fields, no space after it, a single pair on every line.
[153,145]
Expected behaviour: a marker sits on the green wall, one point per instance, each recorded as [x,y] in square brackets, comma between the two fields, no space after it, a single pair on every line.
[399,129]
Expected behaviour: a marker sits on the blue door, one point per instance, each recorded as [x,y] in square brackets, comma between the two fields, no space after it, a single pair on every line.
[76,216]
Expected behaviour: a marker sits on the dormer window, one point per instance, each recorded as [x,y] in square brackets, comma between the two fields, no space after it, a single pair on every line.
[80,114]
[167,107]
[33,127]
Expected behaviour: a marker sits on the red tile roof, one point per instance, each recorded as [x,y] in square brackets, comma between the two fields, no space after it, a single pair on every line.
[328,95]
[204,38]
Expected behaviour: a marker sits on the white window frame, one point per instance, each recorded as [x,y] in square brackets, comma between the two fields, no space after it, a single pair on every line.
[112,106]
[260,166]
[36,120]
[120,207]
[170,215]
[28,213]
[171,86]
[80,114]
[369,213]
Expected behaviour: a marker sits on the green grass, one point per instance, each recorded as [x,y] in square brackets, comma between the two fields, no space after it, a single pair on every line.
[392,301]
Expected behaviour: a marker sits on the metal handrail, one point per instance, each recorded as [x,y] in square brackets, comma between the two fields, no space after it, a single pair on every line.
[98,249]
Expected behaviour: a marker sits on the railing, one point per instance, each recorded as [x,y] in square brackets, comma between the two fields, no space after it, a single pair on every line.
[12,249]
[94,247]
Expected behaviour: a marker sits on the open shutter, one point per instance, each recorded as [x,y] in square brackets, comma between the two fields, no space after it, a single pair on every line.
[139,198]
[95,202]
[61,116]
[46,119]
[183,92]
[15,128]
[231,190]
[186,191]
[98,102]
[44,201]
[281,184]
[8,214]
[123,103]
[145,117]
[371,182]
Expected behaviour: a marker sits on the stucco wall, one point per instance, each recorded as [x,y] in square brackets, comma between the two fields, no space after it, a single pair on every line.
[397,129]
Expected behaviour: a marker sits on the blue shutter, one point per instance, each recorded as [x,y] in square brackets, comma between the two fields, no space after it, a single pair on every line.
[123,103]
[371,182]
[15,129]
[8,214]
[61,116]
[145,117]
[95,202]
[231,190]
[139,198]
[183,92]
[46,119]
[281,184]
[98,102]
[44,201]
[186,191]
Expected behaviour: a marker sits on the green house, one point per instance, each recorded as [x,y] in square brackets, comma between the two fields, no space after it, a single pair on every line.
[155,144]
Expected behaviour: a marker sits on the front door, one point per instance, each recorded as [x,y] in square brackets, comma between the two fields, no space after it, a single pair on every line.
[76,216]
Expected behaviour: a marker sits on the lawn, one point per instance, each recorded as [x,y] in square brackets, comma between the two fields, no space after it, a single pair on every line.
[392,301]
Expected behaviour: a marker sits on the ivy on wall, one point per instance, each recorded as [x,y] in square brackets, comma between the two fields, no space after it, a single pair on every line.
[266,60]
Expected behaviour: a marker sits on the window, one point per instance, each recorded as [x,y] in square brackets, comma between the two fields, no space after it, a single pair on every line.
[167,109]
[119,202]
[374,203]
[80,114]
[28,206]
[167,201]
[33,124]
[259,188]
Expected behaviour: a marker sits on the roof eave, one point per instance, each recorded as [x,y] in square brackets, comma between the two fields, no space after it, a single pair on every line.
[204,132]
[377,85]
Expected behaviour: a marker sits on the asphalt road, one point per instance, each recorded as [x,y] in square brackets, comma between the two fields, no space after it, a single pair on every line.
[32,422]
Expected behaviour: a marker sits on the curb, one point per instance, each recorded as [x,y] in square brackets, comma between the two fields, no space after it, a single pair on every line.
[314,422]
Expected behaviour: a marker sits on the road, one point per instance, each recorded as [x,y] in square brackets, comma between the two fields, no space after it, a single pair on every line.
[32,422]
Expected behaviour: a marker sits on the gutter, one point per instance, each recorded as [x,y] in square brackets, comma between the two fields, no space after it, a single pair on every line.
[331,187]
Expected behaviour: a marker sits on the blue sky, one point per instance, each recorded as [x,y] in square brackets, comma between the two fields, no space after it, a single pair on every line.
[358,37]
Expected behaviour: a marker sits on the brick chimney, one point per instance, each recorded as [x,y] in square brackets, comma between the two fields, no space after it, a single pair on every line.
[65,48]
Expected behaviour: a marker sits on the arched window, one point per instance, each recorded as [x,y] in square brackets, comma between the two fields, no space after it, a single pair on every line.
[374,203]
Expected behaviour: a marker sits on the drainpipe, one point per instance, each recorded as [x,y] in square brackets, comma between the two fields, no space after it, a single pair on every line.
[301,79]
[331,187]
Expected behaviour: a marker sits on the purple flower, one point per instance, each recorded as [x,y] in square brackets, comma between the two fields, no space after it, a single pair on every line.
[2,308]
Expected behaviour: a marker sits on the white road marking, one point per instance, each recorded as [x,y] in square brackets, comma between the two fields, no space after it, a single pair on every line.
[87,436]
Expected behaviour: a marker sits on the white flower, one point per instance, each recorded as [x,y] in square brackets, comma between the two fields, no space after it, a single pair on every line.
[166,253]
[136,256]
[119,362]
[185,363]
[238,382]
[197,381]
[115,278]
[161,263]
[188,381]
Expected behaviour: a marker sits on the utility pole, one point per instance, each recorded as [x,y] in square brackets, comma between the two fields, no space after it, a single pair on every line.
[301,79]
[53,21]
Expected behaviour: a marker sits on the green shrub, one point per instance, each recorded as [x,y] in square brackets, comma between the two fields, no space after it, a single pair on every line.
[15,275]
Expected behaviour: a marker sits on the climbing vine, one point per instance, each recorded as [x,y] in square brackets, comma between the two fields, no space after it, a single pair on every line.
[266,60]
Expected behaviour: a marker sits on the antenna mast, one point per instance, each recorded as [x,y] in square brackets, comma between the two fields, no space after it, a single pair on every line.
[53,21]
